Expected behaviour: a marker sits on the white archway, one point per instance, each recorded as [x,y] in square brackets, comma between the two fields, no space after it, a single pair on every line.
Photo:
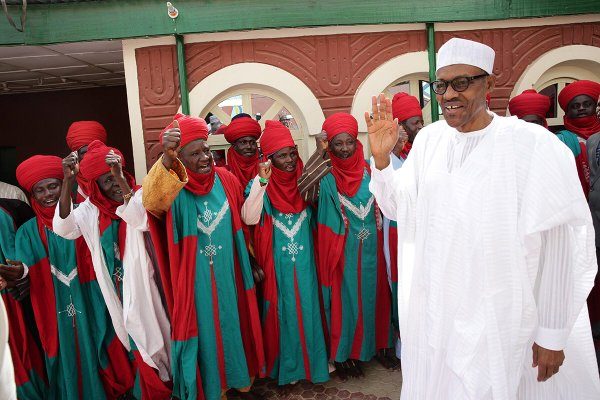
[293,91]
[382,77]
[537,72]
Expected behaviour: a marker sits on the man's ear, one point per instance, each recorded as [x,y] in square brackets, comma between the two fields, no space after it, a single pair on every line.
[490,82]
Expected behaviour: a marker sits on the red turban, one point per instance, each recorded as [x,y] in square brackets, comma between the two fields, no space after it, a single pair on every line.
[221,130]
[38,168]
[93,165]
[529,102]
[275,137]
[340,123]
[33,170]
[82,133]
[405,106]
[192,128]
[240,127]
[575,89]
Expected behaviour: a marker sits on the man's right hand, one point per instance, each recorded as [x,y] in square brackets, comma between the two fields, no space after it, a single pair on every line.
[70,165]
[264,171]
[170,140]
[382,129]
[322,143]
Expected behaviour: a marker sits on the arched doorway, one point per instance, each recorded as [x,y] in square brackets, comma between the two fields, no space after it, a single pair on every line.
[262,105]
[256,88]
[551,72]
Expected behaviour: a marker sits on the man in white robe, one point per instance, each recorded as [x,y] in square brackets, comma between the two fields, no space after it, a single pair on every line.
[496,251]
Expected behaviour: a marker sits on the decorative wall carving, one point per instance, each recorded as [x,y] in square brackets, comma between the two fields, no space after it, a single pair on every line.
[334,66]
[516,48]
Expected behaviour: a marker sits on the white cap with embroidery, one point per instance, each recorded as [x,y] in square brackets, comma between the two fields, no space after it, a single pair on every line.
[462,51]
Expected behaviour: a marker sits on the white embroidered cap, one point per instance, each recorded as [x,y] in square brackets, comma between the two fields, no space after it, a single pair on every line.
[462,51]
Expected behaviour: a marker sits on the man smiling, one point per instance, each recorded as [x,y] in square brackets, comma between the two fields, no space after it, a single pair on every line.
[496,254]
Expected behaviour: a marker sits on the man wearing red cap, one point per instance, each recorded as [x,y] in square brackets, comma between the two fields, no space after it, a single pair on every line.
[79,136]
[407,110]
[350,255]
[82,133]
[242,156]
[27,369]
[108,223]
[62,293]
[530,106]
[216,338]
[580,100]
[293,334]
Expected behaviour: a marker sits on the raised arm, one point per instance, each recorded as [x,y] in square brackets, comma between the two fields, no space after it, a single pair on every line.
[64,223]
[166,178]
[391,188]
[252,207]
[317,166]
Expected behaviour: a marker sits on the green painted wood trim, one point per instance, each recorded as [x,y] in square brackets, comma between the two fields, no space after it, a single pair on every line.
[183,86]
[435,115]
[117,19]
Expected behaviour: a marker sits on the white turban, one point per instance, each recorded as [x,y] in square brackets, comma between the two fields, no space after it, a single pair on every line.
[462,51]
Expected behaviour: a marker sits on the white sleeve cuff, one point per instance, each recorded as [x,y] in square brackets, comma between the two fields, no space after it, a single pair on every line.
[382,175]
[25,272]
[551,339]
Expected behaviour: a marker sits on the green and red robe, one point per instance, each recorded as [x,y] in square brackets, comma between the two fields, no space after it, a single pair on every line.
[352,270]
[66,311]
[292,324]
[28,362]
[106,240]
[209,288]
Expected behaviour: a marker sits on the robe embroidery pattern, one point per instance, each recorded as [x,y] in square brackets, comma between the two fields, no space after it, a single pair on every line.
[292,247]
[361,212]
[66,280]
[207,225]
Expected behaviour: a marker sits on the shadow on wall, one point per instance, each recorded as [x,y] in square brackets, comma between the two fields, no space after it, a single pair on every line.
[37,123]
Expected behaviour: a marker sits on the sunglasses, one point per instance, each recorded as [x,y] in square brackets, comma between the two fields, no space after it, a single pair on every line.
[459,84]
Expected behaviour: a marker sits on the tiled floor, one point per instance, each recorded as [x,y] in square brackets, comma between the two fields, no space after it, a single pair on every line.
[378,384]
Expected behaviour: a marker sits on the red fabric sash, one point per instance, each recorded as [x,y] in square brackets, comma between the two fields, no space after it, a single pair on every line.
[283,190]
[583,127]
[200,184]
[348,172]
[244,168]
[405,150]
[263,246]
[43,214]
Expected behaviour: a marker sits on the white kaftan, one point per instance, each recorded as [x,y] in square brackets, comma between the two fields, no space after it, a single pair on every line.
[496,251]
[141,315]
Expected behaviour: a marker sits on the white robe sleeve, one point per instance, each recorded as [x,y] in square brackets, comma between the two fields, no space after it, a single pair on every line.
[252,207]
[134,213]
[144,316]
[395,190]
[67,228]
[556,286]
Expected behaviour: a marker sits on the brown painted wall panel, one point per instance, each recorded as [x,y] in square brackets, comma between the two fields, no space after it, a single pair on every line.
[159,93]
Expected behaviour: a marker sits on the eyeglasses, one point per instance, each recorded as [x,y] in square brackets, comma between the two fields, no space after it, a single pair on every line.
[459,84]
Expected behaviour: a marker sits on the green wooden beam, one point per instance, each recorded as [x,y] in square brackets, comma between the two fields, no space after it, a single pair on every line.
[118,19]
[183,86]
[435,114]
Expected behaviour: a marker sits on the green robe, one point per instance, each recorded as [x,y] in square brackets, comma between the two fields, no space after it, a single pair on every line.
[65,314]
